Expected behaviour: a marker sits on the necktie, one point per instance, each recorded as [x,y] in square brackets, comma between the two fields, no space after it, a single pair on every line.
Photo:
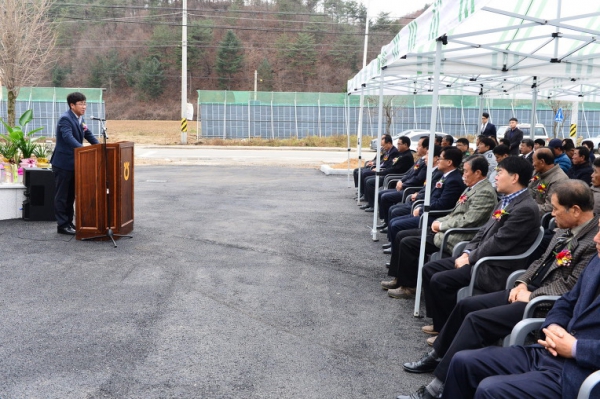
[483,127]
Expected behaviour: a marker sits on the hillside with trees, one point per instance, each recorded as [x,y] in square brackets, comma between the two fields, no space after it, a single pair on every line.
[132,48]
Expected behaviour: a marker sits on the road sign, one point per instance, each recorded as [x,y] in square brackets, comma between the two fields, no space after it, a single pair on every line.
[559,116]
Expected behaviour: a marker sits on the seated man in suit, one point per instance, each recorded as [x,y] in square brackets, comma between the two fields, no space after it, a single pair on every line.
[447,141]
[482,320]
[553,369]
[511,230]
[526,149]
[488,129]
[444,194]
[547,174]
[401,164]
[472,209]
[389,152]
[582,168]
[414,177]
[397,209]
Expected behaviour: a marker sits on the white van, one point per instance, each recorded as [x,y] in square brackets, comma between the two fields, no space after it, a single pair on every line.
[540,131]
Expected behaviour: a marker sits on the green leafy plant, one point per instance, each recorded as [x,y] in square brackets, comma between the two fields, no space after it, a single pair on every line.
[40,151]
[17,138]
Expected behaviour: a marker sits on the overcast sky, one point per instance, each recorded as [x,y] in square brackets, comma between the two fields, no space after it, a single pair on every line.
[396,8]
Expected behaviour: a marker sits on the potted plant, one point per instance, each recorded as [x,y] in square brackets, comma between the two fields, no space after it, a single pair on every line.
[16,137]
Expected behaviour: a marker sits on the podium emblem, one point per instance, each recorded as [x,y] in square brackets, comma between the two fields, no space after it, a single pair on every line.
[126,171]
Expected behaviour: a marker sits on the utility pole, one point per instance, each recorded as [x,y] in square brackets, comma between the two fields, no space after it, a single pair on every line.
[184,74]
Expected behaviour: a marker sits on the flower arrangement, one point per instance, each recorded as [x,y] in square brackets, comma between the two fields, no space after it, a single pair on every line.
[84,127]
[462,199]
[499,214]
[416,166]
[534,178]
[541,188]
[440,183]
[564,257]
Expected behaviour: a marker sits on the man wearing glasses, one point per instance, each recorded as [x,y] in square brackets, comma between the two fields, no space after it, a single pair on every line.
[70,132]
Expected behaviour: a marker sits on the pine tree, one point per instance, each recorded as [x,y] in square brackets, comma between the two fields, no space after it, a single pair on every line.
[230,59]
[151,78]
[265,75]
[303,56]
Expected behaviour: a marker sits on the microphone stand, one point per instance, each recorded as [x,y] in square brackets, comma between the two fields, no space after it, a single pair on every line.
[109,231]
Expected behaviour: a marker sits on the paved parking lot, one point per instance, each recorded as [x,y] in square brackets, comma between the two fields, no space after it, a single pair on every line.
[240,282]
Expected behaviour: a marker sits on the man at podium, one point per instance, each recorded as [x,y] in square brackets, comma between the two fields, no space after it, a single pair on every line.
[70,132]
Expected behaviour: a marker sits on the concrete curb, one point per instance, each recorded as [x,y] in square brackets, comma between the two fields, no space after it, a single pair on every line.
[328,170]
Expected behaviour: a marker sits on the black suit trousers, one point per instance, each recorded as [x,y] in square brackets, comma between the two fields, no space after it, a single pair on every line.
[363,170]
[519,372]
[370,189]
[476,322]
[405,260]
[441,282]
[387,199]
[64,197]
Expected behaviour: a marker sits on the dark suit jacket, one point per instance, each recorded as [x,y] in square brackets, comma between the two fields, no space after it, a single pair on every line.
[577,312]
[401,163]
[515,137]
[582,172]
[559,279]
[529,157]
[445,193]
[388,158]
[417,175]
[513,234]
[435,177]
[490,130]
[69,135]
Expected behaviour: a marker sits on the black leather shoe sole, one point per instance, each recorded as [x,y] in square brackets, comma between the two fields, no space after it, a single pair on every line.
[386,246]
[369,209]
[387,251]
[383,231]
[382,226]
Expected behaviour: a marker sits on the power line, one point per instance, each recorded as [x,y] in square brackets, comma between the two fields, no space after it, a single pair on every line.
[282,30]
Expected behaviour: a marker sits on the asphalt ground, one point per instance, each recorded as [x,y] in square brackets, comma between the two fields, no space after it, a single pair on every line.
[240,282]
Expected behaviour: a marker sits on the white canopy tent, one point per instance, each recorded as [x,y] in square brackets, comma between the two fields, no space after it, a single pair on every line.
[547,45]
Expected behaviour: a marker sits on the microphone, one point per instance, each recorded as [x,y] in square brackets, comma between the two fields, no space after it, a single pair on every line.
[97,119]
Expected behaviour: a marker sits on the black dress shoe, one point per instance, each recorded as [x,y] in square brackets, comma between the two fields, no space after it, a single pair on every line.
[68,230]
[387,251]
[362,198]
[370,209]
[387,265]
[426,364]
[386,246]
[421,393]
[383,231]
[364,206]
[382,226]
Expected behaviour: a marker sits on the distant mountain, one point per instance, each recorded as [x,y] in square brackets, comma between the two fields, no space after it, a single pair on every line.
[134,49]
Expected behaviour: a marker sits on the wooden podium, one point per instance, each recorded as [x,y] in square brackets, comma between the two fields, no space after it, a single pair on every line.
[91,205]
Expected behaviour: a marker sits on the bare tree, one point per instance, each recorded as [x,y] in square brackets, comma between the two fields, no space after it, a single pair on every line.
[392,105]
[555,105]
[26,46]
